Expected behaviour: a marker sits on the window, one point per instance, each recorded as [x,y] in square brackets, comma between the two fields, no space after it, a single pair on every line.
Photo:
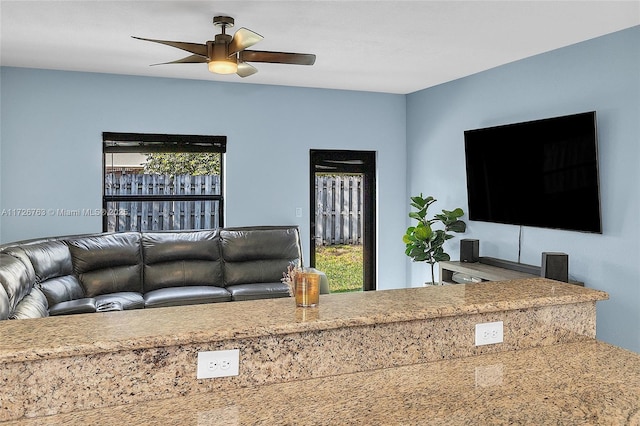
[162,182]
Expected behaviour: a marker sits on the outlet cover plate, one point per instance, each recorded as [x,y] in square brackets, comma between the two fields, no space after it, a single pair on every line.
[489,333]
[218,364]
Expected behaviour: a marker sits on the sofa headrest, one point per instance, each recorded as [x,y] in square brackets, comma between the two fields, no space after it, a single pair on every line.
[108,263]
[161,247]
[50,259]
[176,259]
[260,243]
[104,251]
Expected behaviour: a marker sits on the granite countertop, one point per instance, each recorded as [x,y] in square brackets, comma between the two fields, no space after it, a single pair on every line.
[62,336]
[585,383]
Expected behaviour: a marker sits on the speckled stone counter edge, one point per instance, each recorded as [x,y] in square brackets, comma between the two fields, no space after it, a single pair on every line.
[58,385]
[577,383]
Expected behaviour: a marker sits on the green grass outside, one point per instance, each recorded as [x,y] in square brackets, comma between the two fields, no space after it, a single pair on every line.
[343,266]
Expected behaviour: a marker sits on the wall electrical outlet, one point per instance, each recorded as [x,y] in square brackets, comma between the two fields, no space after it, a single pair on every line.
[218,364]
[489,333]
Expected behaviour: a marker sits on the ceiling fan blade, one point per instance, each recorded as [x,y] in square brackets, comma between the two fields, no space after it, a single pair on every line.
[242,39]
[193,59]
[196,48]
[245,69]
[277,57]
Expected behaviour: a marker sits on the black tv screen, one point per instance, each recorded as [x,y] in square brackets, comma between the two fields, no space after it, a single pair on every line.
[541,173]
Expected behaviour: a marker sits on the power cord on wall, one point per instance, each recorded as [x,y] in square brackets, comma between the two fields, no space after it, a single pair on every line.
[519,243]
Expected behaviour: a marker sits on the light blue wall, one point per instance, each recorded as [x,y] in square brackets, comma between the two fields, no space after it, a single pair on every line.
[602,75]
[52,124]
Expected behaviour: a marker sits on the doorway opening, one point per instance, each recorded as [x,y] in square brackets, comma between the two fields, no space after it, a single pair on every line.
[342,219]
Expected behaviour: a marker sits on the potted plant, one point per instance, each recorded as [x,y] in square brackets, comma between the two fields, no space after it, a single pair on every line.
[424,243]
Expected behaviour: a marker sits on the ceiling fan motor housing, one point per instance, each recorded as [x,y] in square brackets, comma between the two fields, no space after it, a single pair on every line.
[218,50]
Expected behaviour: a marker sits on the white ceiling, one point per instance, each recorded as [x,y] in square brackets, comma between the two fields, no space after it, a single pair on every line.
[380,46]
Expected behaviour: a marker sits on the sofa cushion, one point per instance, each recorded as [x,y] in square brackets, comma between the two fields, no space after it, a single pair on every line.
[85,305]
[128,300]
[33,305]
[17,278]
[258,291]
[191,295]
[108,263]
[61,289]
[259,254]
[176,259]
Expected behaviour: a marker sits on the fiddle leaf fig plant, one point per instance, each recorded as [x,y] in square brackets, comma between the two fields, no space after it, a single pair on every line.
[424,241]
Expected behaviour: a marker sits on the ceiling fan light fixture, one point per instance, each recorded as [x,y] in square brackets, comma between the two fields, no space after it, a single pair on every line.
[223,66]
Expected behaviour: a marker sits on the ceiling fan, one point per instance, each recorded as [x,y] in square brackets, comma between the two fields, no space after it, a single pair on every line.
[227,54]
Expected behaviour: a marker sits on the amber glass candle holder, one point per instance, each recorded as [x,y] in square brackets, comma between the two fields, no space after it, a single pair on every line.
[307,289]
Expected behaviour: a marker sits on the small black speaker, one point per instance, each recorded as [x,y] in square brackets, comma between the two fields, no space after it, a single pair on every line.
[469,250]
[555,266]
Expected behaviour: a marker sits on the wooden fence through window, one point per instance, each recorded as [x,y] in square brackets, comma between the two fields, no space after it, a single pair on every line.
[339,206]
[162,214]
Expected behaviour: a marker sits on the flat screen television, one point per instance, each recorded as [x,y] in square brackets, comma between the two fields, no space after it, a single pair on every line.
[541,173]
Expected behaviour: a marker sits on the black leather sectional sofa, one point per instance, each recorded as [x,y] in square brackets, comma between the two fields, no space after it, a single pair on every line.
[132,270]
